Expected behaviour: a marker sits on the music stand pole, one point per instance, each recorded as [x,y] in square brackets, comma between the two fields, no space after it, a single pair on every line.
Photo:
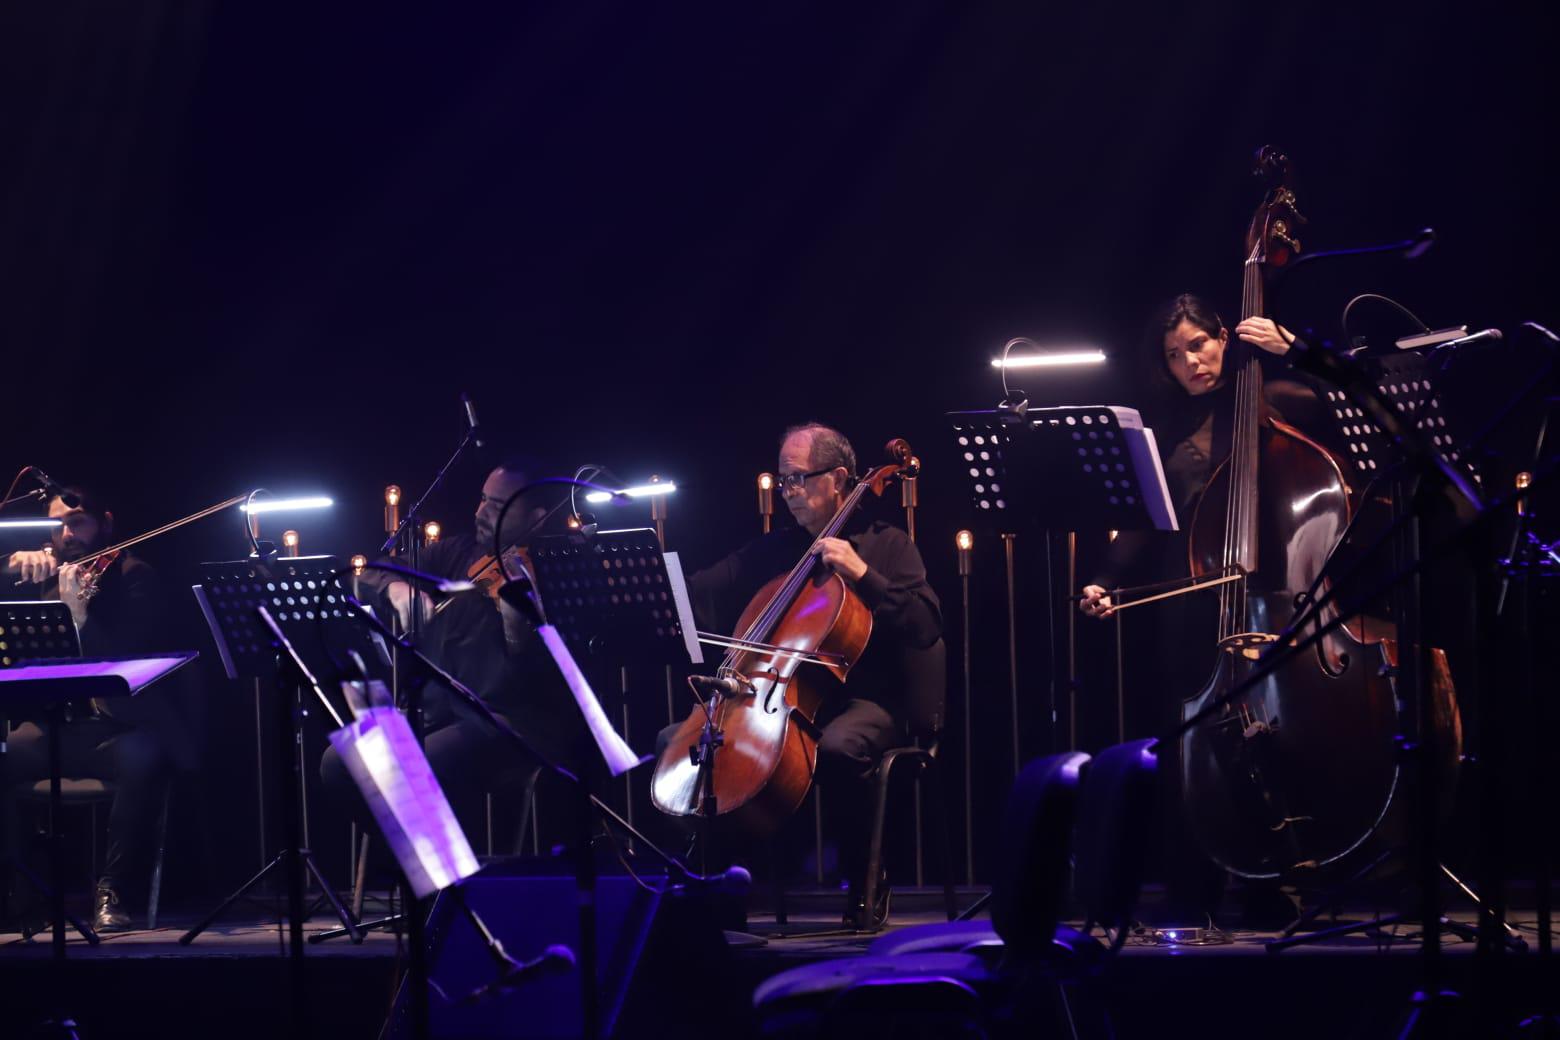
[414,911]
[965,542]
[1012,600]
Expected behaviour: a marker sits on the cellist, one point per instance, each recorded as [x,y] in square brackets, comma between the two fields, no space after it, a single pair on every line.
[868,714]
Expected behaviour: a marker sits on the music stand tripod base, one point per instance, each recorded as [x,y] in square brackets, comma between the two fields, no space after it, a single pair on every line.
[306,600]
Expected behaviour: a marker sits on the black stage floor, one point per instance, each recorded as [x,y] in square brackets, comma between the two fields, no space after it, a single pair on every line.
[229,983]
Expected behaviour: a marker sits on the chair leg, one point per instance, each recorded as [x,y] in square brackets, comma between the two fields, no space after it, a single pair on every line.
[869,888]
[154,897]
[359,873]
[527,815]
[932,775]
[777,872]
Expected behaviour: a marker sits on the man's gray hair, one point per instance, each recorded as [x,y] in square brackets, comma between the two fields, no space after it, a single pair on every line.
[829,447]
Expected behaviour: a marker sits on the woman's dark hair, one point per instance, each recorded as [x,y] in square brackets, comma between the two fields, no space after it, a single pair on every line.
[1185,307]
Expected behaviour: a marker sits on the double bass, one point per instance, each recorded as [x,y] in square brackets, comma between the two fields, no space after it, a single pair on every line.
[1302,770]
[798,636]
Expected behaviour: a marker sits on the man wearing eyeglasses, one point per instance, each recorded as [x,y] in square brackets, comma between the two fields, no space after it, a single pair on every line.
[871,713]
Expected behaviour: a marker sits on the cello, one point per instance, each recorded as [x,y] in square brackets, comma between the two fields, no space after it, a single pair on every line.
[1301,770]
[763,722]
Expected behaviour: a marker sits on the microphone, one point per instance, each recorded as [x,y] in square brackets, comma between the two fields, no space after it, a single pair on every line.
[448,586]
[735,880]
[471,420]
[1419,245]
[555,959]
[1482,336]
[55,488]
[732,686]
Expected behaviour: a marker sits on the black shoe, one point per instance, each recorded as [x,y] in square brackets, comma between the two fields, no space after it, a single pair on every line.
[106,914]
[858,916]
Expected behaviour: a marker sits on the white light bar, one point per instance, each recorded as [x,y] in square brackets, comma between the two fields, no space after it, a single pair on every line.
[280,505]
[41,522]
[643,491]
[1065,357]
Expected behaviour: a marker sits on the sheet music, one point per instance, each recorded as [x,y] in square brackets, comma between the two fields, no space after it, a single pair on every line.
[690,629]
[620,758]
[387,764]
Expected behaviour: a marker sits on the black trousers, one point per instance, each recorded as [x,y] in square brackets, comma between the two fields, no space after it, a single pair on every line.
[855,735]
[101,749]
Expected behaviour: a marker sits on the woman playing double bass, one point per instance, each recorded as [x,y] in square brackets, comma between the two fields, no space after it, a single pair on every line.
[1184,350]
[882,567]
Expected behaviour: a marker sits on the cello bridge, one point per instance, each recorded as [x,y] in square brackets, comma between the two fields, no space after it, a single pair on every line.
[1248,644]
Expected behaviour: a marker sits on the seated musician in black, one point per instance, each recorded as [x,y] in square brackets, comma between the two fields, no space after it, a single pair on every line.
[491,648]
[134,744]
[882,565]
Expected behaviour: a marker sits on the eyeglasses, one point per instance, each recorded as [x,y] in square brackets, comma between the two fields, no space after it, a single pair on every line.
[794,481]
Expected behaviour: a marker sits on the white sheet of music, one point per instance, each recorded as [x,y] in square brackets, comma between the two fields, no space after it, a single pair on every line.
[690,629]
[1146,464]
[388,765]
[620,758]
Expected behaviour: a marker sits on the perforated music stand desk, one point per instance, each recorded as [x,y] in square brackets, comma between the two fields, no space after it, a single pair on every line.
[616,596]
[52,683]
[1093,468]
[304,594]
[1407,381]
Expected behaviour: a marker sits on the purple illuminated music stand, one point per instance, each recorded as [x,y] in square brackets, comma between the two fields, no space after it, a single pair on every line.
[50,684]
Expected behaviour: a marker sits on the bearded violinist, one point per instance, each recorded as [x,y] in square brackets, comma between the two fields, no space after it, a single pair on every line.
[136,745]
[486,644]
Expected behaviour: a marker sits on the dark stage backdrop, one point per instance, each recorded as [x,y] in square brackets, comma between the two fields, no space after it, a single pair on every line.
[241,247]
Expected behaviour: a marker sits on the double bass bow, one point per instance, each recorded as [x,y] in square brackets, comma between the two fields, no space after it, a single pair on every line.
[1301,770]
[763,703]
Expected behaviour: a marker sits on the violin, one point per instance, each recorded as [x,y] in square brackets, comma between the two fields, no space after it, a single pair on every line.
[1300,771]
[766,734]
[94,566]
[487,574]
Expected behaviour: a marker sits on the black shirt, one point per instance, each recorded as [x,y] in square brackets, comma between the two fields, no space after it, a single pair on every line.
[517,679]
[905,613]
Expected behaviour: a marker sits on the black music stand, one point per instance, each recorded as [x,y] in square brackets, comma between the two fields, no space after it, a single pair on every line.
[51,684]
[33,630]
[285,619]
[1072,468]
[1406,383]
[613,598]
[1093,468]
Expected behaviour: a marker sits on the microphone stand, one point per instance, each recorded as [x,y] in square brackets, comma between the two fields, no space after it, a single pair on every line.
[414,916]
[583,856]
